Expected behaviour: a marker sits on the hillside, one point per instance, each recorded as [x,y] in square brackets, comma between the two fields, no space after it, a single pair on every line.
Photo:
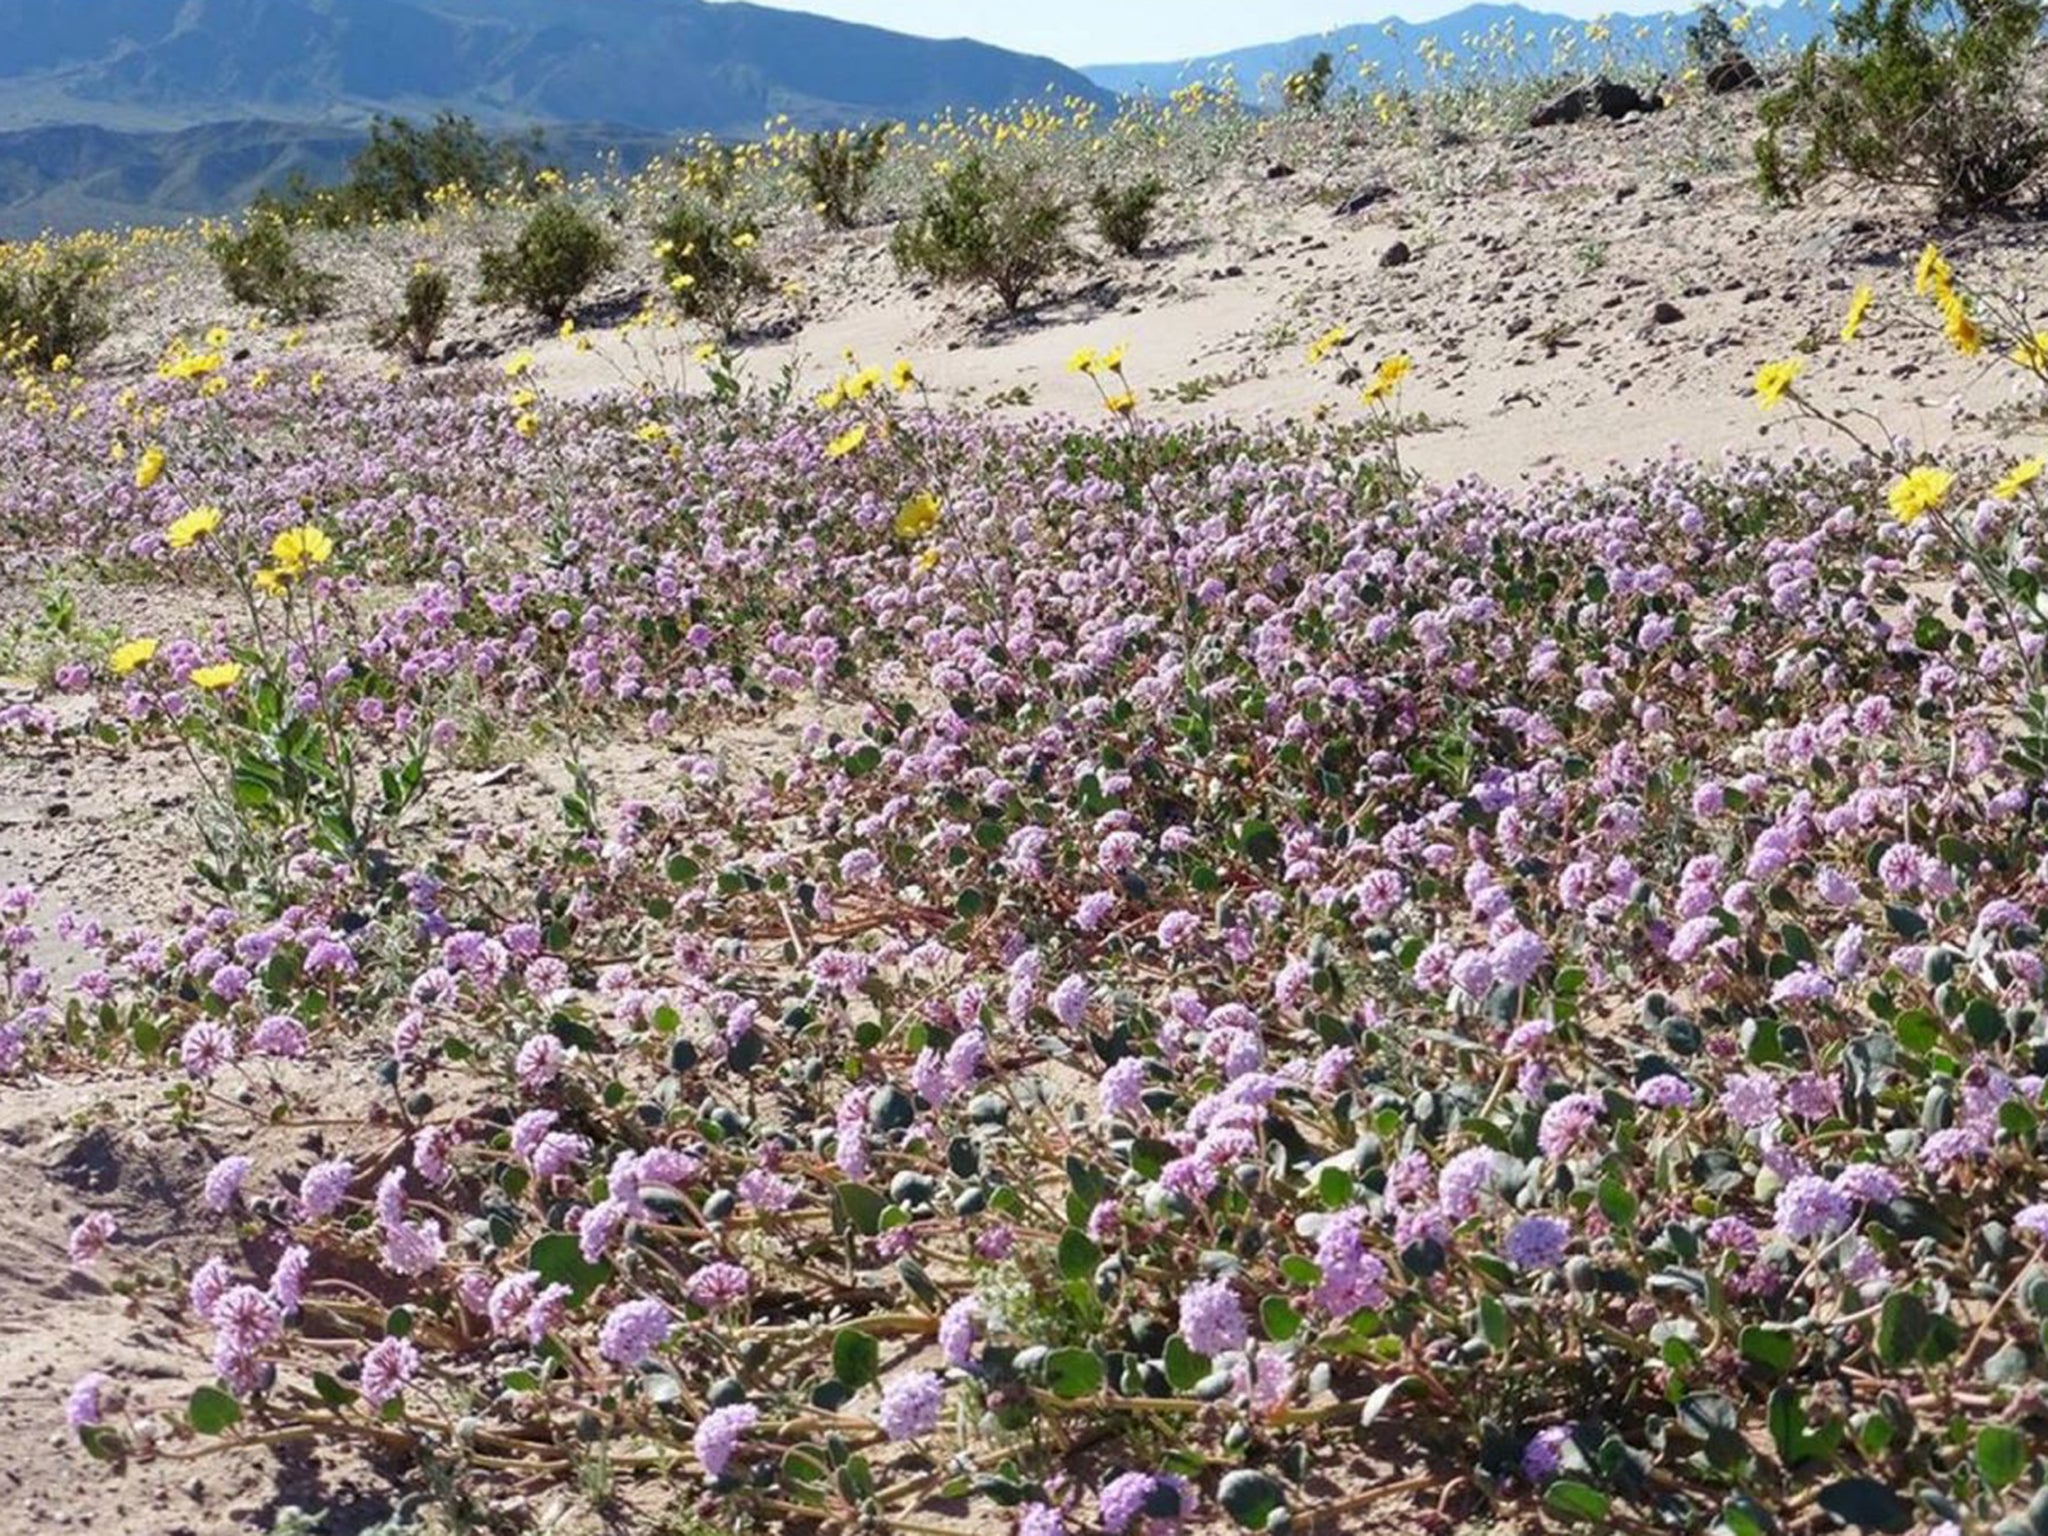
[294,82]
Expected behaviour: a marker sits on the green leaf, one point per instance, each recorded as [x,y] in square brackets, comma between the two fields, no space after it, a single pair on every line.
[212,1411]
[1787,1417]
[1078,1256]
[1575,1500]
[858,1207]
[1183,1365]
[856,1358]
[2001,1455]
[1769,1348]
[333,1393]
[1901,1328]
[556,1258]
[1073,1373]
[1493,1322]
[1251,1498]
[1278,1317]
[1617,1202]
[1867,1504]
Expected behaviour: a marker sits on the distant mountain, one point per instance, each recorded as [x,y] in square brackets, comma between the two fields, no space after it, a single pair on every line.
[1393,47]
[291,84]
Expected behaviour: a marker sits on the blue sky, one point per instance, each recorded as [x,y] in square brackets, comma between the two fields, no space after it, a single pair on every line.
[1142,31]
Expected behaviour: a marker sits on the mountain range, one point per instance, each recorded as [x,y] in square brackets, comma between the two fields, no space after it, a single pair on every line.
[1393,47]
[142,110]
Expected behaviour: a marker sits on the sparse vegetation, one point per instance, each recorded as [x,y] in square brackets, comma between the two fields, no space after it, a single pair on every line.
[710,263]
[837,167]
[260,266]
[54,303]
[1004,229]
[398,173]
[1309,89]
[1915,93]
[1124,215]
[558,255]
[417,326]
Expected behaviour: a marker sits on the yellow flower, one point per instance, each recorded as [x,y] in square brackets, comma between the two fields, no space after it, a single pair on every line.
[271,583]
[568,328]
[1774,381]
[2032,354]
[745,240]
[221,675]
[1122,404]
[1932,274]
[902,376]
[192,527]
[219,337]
[847,442]
[1919,493]
[297,550]
[1387,377]
[527,426]
[651,432]
[149,469]
[834,397]
[1963,332]
[2019,477]
[926,562]
[918,516]
[524,399]
[129,656]
[1327,343]
[193,365]
[518,365]
[1082,361]
[706,351]
[1859,306]
[318,381]
[861,384]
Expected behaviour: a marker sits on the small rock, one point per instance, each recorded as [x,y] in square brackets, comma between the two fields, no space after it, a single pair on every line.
[1666,313]
[1518,325]
[1598,97]
[1363,199]
[1733,72]
[1279,170]
[1624,192]
[1397,255]
[1679,187]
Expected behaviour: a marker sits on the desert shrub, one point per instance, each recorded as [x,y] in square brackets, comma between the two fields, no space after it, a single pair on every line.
[709,263]
[417,326]
[1309,88]
[261,267]
[53,303]
[837,168]
[1709,38]
[395,175]
[558,255]
[1002,229]
[712,171]
[1913,95]
[1124,215]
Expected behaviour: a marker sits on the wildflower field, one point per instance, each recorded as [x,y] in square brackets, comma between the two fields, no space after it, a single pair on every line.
[710,955]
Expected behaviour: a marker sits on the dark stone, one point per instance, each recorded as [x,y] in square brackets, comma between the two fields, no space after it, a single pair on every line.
[1733,72]
[1599,97]
[1679,187]
[1279,170]
[1666,313]
[1397,255]
[1363,199]
[1518,325]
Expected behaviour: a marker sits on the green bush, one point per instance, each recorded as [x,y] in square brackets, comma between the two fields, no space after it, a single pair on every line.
[837,168]
[1124,215]
[1309,88]
[53,303]
[709,264]
[395,175]
[415,328]
[260,267]
[556,258]
[1913,95]
[1000,229]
